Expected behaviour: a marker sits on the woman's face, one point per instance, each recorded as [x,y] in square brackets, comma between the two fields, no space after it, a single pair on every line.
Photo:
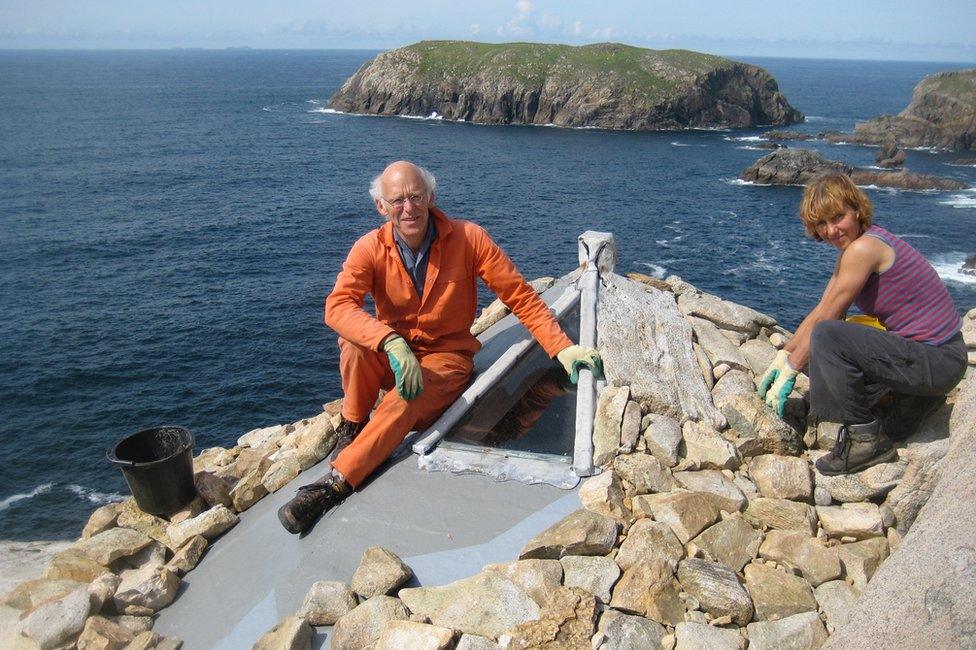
[841,229]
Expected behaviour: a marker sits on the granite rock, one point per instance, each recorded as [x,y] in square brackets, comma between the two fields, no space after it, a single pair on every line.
[813,560]
[644,472]
[487,604]
[650,541]
[649,589]
[567,621]
[628,632]
[717,589]
[782,514]
[326,602]
[579,533]
[604,494]
[698,636]
[647,345]
[115,543]
[662,438]
[858,520]
[706,448]
[836,600]
[593,574]
[782,477]
[409,634]
[731,541]
[687,513]
[798,632]
[777,594]
[293,633]
[607,422]
[539,578]
[209,524]
[379,572]
[362,627]
[57,622]
[728,496]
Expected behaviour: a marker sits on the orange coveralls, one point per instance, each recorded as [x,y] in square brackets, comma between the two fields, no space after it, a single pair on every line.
[436,326]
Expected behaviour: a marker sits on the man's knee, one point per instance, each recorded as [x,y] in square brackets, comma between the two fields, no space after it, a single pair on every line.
[826,335]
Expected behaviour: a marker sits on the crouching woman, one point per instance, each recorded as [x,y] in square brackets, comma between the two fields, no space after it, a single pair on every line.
[915,351]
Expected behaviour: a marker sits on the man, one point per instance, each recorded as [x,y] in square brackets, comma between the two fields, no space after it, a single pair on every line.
[421,268]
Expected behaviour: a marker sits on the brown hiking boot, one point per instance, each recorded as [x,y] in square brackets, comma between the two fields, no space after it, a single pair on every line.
[858,447]
[311,502]
[346,433]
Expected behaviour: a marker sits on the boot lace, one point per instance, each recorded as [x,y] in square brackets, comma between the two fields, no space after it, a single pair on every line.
[842,447]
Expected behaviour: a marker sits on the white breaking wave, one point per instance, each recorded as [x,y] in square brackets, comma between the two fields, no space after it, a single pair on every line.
[312,101]
[327,111]
[739,181]
[744,138]
[679,144]
[729,212]
[960,201]
[94,496]
[40,489]
[661,242]
[747,147]
[433,116]
[657,270]
[815,118]
[947,266]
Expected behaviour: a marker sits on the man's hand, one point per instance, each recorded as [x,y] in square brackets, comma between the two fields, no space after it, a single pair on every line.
[777,382]
[406,368]
[576,356]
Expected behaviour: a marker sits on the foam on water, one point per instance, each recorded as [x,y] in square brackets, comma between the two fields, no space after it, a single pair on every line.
[657,270]
[947,265]
[744,138]
[739,181]
[960,201]
[14,498]
[94,496]
[675,143]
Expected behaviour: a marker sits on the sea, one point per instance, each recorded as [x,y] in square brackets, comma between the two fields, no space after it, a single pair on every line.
[171,221]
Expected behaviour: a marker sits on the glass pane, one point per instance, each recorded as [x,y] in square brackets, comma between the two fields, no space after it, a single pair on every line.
[532,409]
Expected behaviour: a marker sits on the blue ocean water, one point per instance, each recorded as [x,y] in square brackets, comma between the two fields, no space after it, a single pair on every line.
[170,222]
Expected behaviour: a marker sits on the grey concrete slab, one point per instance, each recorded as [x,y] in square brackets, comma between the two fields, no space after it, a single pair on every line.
[444,526]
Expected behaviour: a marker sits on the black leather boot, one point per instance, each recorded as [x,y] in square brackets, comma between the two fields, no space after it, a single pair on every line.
[858,447]
[311,502]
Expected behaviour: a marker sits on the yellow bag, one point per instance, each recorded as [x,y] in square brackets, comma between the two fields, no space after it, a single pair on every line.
[865,319]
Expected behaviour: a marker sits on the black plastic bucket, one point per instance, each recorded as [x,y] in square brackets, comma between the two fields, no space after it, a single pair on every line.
[157,464]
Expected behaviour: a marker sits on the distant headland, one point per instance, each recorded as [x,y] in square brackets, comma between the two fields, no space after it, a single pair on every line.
[605,85]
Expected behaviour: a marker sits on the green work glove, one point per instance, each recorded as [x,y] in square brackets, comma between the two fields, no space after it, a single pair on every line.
[406,368]
[777,382]
[576,356]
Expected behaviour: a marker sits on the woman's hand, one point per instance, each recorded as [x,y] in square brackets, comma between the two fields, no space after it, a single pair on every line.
[777,382]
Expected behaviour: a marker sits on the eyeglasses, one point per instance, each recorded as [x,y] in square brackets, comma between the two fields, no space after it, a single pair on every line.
[416,199]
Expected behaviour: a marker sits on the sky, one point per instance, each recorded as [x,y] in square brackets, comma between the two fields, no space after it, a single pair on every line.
[941,30]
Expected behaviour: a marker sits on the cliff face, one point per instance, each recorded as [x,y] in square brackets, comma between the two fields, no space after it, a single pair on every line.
[605,86]
[942,114]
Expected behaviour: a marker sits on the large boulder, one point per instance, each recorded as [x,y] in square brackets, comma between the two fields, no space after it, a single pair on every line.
[717,589]
[579,533]
[486,604]
[363,626]
[646,344]
[379,572]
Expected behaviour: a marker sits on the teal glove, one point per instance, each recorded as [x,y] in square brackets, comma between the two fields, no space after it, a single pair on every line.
[777,382]
[406,368]
[579,356]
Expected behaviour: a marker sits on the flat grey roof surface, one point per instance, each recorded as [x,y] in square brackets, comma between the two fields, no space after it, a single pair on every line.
[444,526]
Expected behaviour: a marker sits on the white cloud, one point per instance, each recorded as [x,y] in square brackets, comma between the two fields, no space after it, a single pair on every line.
[549,22]
[524,7]
[605,32]
[578,28]
[474,29]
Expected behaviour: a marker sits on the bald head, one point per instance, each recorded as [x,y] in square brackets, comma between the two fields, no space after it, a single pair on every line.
[399,172]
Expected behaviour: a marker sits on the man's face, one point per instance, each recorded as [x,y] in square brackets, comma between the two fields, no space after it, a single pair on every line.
[405,202]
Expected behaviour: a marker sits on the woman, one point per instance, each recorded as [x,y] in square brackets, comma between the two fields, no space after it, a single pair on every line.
[851,365]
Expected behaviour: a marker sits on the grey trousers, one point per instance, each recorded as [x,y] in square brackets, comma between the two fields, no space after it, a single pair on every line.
[852,366]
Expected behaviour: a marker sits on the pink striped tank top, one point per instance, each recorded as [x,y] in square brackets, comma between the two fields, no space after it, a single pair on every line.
[909,298]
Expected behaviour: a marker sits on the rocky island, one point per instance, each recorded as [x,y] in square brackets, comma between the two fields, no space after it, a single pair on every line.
[799,166]
[942,115]
[606,85]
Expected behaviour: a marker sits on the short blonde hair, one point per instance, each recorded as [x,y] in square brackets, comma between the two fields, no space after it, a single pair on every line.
[828,195]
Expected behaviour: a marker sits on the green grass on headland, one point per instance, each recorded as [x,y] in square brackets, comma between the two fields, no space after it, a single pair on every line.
[532,64]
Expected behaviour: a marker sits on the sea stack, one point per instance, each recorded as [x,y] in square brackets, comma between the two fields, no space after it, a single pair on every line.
[606,85]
